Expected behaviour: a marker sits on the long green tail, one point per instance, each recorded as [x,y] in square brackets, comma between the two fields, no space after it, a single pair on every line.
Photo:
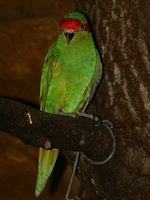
[47,160]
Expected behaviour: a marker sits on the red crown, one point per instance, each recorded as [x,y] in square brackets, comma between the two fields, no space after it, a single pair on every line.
[73,24]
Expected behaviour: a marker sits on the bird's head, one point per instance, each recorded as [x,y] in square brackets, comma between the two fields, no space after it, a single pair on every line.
[73,22]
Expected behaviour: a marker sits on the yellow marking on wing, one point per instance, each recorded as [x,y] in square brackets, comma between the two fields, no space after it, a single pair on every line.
[56,69]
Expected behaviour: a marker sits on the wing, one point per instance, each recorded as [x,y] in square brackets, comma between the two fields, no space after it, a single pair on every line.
[47,74]
[95,81]
[47,158]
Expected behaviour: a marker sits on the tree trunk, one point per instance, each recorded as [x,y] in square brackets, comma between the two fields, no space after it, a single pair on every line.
[122,32]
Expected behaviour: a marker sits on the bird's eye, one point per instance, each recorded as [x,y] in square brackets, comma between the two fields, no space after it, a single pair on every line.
[82,26]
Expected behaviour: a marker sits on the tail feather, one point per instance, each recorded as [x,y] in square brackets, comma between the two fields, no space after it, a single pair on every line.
[47,160]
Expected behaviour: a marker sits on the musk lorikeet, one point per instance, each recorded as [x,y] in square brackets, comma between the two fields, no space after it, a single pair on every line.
[71,73]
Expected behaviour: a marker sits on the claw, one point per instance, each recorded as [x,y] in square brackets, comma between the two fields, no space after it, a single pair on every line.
[90,116]
[83,114]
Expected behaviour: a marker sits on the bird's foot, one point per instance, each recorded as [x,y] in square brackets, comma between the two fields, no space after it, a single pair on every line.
[74,115]
[90,116]
[83,114]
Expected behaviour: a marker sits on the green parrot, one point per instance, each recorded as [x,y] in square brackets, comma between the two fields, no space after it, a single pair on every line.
[71,73]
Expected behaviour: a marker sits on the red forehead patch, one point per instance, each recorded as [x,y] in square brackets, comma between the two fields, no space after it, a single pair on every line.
[74,24]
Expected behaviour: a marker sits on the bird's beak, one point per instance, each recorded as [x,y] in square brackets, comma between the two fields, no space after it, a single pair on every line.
[69,37]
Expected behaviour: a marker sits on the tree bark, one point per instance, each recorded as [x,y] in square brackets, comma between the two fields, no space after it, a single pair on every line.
[122,31]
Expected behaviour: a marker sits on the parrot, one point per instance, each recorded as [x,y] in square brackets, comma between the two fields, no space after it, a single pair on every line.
[71,72]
